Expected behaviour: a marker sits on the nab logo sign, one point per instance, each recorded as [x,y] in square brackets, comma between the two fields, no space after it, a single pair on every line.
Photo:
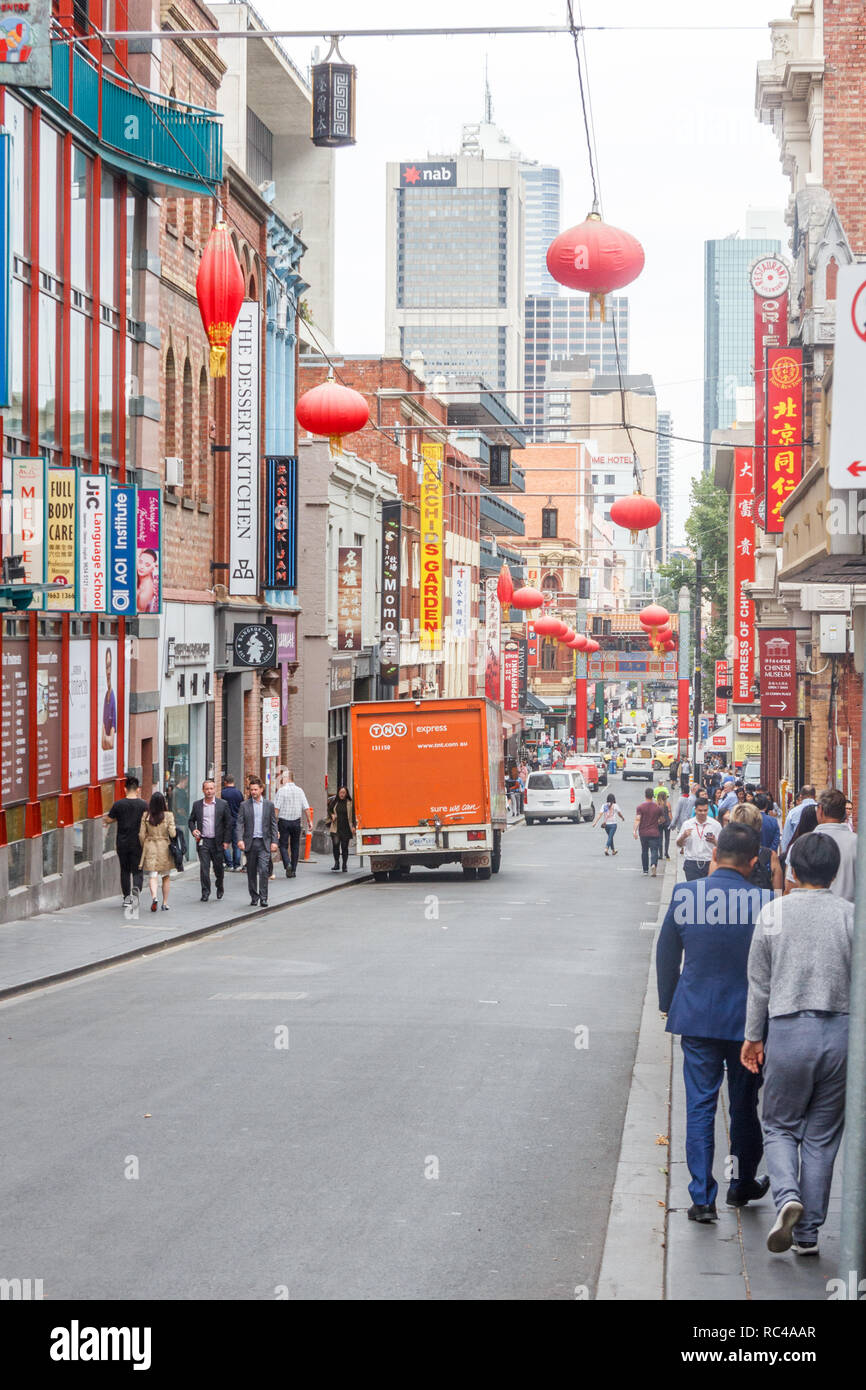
[427,175]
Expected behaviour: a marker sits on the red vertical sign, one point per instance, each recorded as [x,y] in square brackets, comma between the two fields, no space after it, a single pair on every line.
[511,675]
[721,679]
[770,279]
[744,573]
[532,645]
[784,404]
[778,654]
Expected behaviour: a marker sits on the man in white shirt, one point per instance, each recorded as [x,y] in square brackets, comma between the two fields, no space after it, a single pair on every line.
[832,821]
[291,804]
[697,839]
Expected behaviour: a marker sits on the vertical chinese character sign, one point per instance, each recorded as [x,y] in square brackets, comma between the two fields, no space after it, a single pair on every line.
[784,430]
[349,574]
[492,633]
[389,616]
[460,581]
[769,279]
[431,546]
[721,680]
[744,573]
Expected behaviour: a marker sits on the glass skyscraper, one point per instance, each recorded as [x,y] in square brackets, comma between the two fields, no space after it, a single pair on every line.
[541,187]
[729,335]
[558,328]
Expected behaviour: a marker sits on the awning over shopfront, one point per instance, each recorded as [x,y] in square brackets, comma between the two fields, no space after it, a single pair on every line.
[536,706]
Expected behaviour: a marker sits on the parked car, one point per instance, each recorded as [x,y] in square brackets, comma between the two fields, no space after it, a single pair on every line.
[639,762]
[585,764]
[626,737]
[752,772]
[665,751]
[556,794]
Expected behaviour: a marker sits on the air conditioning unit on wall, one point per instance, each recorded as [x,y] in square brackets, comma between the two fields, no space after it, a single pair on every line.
[174,472]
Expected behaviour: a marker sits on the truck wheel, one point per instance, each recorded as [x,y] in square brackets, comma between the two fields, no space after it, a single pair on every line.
[380,875]
[496,857]
[468,871]
[483,873]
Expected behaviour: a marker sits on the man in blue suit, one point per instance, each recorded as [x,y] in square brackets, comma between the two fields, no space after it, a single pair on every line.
[711,921]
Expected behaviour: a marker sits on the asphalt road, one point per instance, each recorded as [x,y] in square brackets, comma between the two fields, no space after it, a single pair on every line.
[376,1095]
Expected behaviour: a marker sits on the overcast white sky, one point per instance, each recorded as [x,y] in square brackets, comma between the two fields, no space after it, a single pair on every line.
[681,154]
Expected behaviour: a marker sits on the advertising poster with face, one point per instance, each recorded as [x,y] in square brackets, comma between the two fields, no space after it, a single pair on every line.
[106,678]
[147,531]
[79,713]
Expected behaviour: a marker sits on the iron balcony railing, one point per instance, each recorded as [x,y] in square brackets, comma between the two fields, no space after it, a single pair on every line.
[155,130]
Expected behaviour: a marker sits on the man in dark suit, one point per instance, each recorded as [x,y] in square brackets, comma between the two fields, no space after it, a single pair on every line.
[258,837]
[711,921]
[210,822]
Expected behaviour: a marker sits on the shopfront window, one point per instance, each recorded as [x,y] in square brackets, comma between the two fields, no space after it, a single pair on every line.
[107,348]
[14,421]
[50,201]
[79,355]
[107,214]
[177,768]
[17,122]
[49,369]
[80,220]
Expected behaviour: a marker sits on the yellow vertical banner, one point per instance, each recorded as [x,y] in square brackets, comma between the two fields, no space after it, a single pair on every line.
[432,566]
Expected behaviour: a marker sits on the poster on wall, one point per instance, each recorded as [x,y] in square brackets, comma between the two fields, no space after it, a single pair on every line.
[92,543]
[270,726]
[60,541]
[15,745]
[148,559]
[48,718]
[106,690]
[244,452]
[78,729]
[122,569]
[349,590]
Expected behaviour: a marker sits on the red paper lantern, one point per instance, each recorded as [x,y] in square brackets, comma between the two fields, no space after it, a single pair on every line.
[664,634]
[504,585]
[219,288]
[547,627]
[580,643]
[670,645]
[568,636]
[654,616]
[636,512]
[596,258]
[591,646]
[527,598]
[333,410]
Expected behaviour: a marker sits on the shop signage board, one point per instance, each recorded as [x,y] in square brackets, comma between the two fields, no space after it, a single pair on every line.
[25,44]
[461,580]
[270,726]
[609,665]
[92,543]
[784,430]
[744,573]
[432,576]
[511,676]
[287,639]
[439,174]
[722,678]
[533,645]
[492,639]
[5,149]
[148,550]
[245,398]
[106,692]
[15,743]
[60,544]
[122,566]
[847,466]
[341,681]
[78,713]
[281,528]
[48,717]
[777,649]
[391,582]
[748,724]
[769,279]
[29,500]
[350,576]
[255,644]
[522,672]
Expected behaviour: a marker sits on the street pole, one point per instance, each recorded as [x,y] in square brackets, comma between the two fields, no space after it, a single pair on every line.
[853,1233]
[580,721]
[697,685]
[683,674]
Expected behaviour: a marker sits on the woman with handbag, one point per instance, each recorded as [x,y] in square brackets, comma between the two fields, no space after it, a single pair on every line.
[665,820]
[155,835]
[341,823]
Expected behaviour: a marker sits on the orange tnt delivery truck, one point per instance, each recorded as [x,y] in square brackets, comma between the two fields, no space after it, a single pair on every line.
[429,785]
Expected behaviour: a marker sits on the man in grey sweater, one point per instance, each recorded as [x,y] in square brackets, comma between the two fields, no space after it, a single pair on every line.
[799,978]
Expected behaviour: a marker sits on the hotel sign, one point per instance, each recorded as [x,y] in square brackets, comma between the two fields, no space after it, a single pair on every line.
[244,456]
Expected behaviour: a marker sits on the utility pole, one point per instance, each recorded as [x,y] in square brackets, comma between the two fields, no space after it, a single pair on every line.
[683,674]
[697,684]
[852,1255]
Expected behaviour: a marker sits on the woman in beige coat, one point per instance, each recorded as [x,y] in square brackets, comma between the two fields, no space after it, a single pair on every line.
[157,828]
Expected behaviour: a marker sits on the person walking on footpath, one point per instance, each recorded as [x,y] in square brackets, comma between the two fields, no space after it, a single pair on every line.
[805,797]
[685,776]
[341,823]
[685,810]
[234,801]
[646,825]
[799,980]
[665,819]
[258,837]
[210,821]
[832,822]
[127,814]
[697,840]
[292,807]
[607,816]
[156,830]
[706,1005]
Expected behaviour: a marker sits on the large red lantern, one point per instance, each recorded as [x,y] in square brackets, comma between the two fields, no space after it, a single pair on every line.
[219,288]
[670,645]
[527,598]
[547,627]
[580,643]
[663,634]
[595,258]
[504,585]
[591,646]
[654,616]
[568,636]
[637,512]
[333,410]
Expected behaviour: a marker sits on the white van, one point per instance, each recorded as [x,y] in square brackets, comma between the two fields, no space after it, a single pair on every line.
[638,763]
[552,795]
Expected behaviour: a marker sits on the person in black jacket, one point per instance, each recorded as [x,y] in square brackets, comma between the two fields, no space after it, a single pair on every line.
[210,821]
[234,799]
[341,823]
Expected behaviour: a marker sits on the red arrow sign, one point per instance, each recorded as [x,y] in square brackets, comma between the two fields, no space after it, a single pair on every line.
[856,467]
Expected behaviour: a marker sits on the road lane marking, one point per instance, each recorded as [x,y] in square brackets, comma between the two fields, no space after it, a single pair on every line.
[249,994]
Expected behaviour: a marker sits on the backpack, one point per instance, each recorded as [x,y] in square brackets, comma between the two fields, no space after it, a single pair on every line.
[762,874]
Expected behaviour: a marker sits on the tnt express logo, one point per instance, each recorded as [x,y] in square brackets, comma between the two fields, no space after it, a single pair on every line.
[388,730]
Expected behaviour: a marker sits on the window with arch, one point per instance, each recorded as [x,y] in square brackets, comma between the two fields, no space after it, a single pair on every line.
[186,431]
[203,437]
[550,583]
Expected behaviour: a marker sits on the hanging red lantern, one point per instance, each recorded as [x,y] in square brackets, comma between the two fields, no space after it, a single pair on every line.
[580,643]
[591,646]
[333,410]
[527,598]
[636,512]
[654,616]
[663,634]
[596,258]
[504,585]
[568,636]
[219,288]
[670,646]
[547,627]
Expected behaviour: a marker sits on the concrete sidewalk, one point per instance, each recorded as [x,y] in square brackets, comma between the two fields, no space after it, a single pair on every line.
[652,1251]
[53,946]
